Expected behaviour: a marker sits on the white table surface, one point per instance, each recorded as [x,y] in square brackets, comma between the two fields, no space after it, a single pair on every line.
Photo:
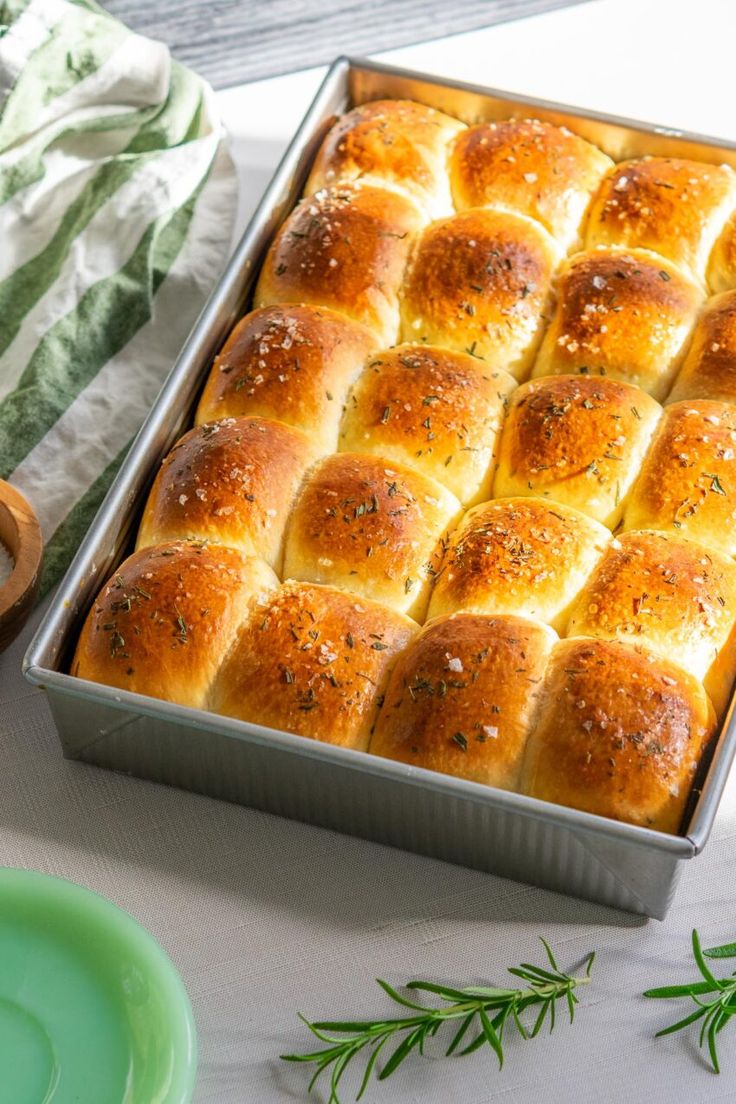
[265,917]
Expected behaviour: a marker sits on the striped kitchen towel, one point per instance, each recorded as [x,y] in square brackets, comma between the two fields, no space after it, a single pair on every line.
[117,197]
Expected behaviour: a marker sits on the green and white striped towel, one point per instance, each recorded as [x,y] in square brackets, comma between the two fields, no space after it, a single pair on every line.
[117,197]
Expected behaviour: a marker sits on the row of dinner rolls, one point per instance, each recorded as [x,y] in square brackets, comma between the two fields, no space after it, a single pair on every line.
[680,209]
[496,699]
[376,517]
[366,456]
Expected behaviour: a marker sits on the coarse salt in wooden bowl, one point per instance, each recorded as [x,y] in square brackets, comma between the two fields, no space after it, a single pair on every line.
[20,534]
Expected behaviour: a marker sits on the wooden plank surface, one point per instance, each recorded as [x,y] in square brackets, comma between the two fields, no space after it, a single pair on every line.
[233,41]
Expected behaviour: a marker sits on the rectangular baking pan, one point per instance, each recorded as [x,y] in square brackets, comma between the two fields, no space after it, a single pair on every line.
[563,849]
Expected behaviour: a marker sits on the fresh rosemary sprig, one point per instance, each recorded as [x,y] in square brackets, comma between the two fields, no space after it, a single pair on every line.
[487,1009]
[714,1013]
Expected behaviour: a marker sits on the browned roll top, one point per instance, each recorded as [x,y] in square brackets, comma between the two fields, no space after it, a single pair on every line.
[345,248]
[436,411]
[528,166]
[687,483]
[295,364]
[164,622]
[463,696]
[620,733]
[479,283]
[709,370]
[676,207]
[233,482]
[577,440]
[622,314]
[671,595]
[390,143]
[372,527]
[313,661]
[518,555]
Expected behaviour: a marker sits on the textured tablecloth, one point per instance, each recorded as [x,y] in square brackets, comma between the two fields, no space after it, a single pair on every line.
[264,916]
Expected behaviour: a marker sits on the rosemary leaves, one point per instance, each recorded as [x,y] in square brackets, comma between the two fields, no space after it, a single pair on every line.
[479,1014]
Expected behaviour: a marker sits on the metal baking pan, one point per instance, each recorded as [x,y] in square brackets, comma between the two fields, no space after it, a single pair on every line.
[563,849]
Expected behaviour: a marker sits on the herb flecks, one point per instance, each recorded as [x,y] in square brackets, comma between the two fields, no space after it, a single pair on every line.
[488,1011]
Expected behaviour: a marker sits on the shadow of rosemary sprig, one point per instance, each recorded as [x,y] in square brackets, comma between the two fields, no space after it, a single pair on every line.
[484,1014]
[714,1013]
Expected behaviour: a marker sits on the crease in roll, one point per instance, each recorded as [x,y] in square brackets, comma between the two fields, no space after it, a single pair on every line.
[620,733]
[165,621]
[314,661]
[524,556]
[233,482]
[576,440]
[463,696]
[433,410]
[372,527]
[397,144]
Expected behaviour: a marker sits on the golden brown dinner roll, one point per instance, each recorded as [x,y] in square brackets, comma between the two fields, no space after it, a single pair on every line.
[671,595]
[535,168]
[436,411]
[463,696]
[687,482]
[709,370]
[232,482]
[344,248]
[390,143]
[164,622]
[370,526]
[722,265]
[578,440]
[621,313]
[480,283]
[619,733]
[294,364]
[677,208]
[518,555]
[314,661]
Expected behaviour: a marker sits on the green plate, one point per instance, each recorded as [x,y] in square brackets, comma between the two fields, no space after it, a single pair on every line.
[91,1009]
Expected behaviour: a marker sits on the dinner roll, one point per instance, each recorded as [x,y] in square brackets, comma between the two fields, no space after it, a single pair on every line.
[294,364]
[687,482]
[390,143]
[314,661]
[578,440]
[479,283]
[671,595]
[370,526]
[619,733]
[518,555]
[526,165]
[436,411]
[677,208]
[722,264]
[463,696]
[709,370]
[344,248]
[165,621]
[621,313]
[232,482]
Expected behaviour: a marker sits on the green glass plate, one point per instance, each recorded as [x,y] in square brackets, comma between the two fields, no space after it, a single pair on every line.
[91,1009]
